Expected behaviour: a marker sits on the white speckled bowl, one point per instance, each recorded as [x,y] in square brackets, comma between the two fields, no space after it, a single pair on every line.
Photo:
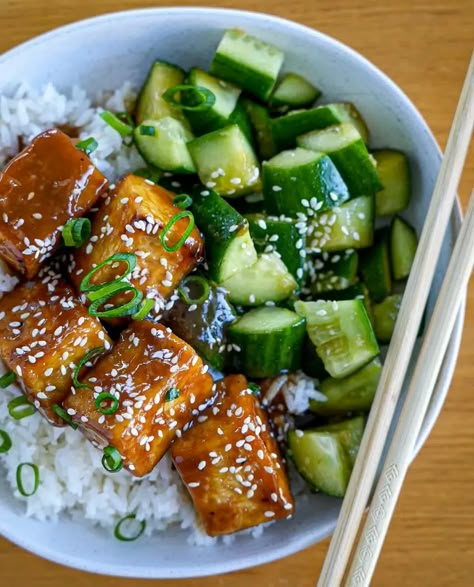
[102,53]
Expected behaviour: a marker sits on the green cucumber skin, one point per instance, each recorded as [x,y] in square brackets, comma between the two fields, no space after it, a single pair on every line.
[289,244]
[352,394]
[295,91]
[266,354]
[350,434]
[262,128]
[288,127]
[312,364]
[356,291]
[394,173]
[240,117]
[317,179]
[403,243]
[356,169]
[374,267]
[215,217]
[385,317]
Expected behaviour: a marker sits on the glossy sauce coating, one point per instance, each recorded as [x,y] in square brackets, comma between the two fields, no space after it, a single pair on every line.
[130,221]
[41,188]
[44,332]
[145,364]
[231,465]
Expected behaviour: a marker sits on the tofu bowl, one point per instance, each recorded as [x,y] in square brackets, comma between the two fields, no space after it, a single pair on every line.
[248,139]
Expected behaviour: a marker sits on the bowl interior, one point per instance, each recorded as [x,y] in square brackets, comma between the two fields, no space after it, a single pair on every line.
[100,54]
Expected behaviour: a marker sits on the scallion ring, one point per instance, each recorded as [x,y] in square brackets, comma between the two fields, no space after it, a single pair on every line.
[112,461]
[149,173]
[88,146]
[61,412]
[85,359]
[129,537]
[145,309]
[5,442]
[146,130]
[194,98]
[7,379]
[76,231]
[171,223]
[20,480]
[182,201]
[112,401]
[198,280]
[172,394]
[118,125]
[100,297]
[19,408]
[129,258]
[254,388]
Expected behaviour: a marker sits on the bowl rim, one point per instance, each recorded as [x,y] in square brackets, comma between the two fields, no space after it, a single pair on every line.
[449,362]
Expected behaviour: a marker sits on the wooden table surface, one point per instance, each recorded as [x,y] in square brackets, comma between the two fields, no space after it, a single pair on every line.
[424,46]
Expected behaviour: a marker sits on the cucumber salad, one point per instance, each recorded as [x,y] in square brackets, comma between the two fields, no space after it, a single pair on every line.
[175,308]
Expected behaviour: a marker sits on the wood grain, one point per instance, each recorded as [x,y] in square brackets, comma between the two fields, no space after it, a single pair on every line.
[424,46]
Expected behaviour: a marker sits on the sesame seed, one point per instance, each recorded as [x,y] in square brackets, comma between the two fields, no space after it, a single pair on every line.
[193,484]
[37,216]
[288,506]
[269,514]
[268,470]
[202,465]
[227,447]
[276,188]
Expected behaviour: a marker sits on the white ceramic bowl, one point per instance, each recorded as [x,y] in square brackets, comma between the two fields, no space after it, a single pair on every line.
[102,53]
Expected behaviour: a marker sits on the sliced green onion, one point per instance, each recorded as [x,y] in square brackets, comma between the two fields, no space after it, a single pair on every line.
[19,408]
[7,379]
[61,412]
[203,283]
[107,397]
[5,442]
[254,388]
[126,309]
[85,359]
[114,121]
[171,223]
[19,479]
[182,201]
[126,117]
[112,461]
[195,98]
[76,231]
[129,258]
[149,173]
[145,309]
[87,145]
[129,537]
[146,130]
[172,394]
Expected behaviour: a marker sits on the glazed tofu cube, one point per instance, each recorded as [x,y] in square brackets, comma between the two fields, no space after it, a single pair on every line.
[161,384]
[130,220]
[231,465]
[44,332]
[44,186]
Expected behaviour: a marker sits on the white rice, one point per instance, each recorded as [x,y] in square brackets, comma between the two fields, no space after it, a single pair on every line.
[73,481]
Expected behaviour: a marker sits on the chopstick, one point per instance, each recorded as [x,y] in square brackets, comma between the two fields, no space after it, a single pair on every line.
[415,405]
[403,339]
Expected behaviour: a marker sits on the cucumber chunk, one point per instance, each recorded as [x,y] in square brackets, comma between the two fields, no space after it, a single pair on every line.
[394,174]
[356,291]
[333,271]
[352,394]
[163,144]
[374,267]
[225,162]
[150,104]
[268,280]
[295,91]
[247,62]
[344,144]
[385,316]
[312,364]
[269,340]
[296,180]
[342,334]
[229,247]
[240,117]
[262,128]
[287,128]
[281,236]
[350,226]
[218,115]
[324,456]
[403,243]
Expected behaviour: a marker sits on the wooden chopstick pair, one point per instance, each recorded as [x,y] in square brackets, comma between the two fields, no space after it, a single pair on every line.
[394,372]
